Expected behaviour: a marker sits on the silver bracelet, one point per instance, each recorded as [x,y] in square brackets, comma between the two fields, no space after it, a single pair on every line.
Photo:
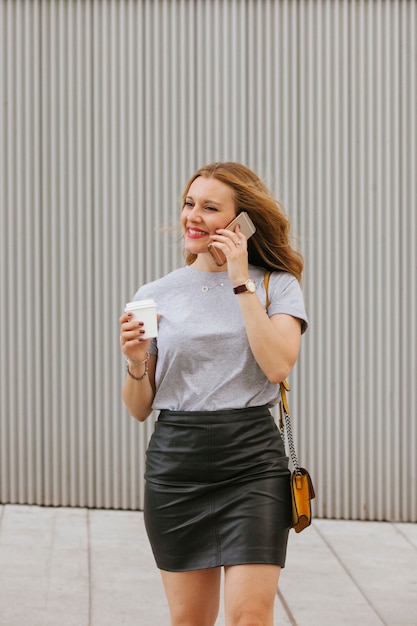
[145,373]
[137,362]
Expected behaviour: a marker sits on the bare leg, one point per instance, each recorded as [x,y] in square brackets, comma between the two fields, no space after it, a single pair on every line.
[250,594]
[193,597]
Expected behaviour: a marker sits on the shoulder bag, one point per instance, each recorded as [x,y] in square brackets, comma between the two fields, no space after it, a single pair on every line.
[302,490]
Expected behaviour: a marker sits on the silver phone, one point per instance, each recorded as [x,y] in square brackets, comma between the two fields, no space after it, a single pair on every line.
[247,227]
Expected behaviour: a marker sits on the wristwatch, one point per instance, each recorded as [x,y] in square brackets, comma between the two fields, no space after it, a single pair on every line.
[249,286]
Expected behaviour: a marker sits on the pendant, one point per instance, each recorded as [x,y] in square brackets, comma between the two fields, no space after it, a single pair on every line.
[205,289]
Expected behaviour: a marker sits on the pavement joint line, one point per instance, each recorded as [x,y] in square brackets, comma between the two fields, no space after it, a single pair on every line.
[286,607]
[349,573]
[89,568]
[404,536]
[49,557]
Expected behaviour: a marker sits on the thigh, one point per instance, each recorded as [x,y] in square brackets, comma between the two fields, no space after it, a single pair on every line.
[250,592]
[193,597]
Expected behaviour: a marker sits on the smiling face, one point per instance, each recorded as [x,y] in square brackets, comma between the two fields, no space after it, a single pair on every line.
[209,204]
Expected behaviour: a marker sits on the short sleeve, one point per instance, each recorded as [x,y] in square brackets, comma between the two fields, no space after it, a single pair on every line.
[285,296]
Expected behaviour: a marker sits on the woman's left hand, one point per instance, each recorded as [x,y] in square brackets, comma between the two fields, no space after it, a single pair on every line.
[234,245]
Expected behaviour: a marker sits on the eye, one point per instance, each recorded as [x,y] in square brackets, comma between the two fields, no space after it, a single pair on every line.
[187,203]
[210,208]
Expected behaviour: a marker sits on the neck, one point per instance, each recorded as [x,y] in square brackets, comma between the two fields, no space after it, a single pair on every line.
[205,263]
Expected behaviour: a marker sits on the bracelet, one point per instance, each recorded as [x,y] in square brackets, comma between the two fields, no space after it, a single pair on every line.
[145,373]
[137,362]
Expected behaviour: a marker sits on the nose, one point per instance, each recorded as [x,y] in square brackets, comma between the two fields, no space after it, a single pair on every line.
[194,213]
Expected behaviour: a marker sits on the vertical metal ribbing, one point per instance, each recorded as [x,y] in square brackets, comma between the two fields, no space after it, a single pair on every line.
[408,279]
[5,401]
[64,249]
[21,375]
[110,107]
[354,129]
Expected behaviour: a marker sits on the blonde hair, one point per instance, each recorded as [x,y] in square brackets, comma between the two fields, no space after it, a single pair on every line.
[269,247]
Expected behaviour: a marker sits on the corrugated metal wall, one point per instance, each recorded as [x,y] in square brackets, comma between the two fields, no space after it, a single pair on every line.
[107,107]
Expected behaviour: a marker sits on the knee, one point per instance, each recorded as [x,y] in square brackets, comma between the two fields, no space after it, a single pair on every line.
[194,618]
[250,618]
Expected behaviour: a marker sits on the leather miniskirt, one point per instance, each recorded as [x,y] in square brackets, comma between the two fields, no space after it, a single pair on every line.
[217,490]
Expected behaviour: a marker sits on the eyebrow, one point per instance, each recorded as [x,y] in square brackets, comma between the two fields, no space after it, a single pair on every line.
[207,201]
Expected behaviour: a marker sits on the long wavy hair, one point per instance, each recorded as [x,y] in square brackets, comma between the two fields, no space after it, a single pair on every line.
[269,247]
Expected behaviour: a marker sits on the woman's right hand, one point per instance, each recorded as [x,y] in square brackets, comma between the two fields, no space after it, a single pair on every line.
[139,387]
[133,347]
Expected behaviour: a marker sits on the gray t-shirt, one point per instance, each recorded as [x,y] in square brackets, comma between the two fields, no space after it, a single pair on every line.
[204,359]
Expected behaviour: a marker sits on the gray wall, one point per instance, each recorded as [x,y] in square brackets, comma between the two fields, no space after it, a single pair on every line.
[106,110]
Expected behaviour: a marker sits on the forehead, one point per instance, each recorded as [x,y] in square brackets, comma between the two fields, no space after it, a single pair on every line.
[211,189]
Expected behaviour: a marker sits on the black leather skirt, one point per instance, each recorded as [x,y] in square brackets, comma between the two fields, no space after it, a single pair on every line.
[217,490]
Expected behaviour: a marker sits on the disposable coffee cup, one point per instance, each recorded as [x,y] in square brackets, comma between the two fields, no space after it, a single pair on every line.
[144,311]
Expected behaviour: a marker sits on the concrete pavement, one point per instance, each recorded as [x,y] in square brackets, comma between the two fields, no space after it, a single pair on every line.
[79,567]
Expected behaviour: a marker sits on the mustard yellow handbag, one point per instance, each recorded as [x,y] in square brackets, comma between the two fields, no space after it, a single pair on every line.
[302,490]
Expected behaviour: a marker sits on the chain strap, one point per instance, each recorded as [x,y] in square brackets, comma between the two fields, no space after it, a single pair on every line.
[285,427]
[285,421]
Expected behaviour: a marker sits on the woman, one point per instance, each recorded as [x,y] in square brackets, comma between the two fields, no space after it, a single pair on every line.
[217,480]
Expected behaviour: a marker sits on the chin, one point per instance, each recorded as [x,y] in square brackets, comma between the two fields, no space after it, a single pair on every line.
[195,248]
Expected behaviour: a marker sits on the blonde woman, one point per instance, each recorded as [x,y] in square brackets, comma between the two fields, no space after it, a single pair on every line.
[217,481]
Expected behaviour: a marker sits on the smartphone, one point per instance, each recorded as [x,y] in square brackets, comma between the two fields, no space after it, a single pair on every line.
[247,227]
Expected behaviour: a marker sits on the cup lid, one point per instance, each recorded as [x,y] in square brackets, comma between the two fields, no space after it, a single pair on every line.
[138,304]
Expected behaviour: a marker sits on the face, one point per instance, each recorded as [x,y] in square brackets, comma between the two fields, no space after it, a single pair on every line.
[209,205]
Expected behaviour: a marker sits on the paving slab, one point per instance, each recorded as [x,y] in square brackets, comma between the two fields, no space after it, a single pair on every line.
[78,567]
[382,562]
[409,531]
[344,572]
[317,588]
[125,585]
[44,578]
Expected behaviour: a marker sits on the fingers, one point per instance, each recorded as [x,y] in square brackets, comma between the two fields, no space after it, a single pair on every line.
[230,242]
[125,318]
[131,333]
[229,236]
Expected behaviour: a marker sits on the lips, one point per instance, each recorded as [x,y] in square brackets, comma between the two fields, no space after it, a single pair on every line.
[196,233]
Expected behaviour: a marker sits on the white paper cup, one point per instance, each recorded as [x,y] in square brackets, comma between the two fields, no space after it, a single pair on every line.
[144,311]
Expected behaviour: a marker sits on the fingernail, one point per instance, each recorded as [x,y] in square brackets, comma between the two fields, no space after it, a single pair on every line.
[140,324]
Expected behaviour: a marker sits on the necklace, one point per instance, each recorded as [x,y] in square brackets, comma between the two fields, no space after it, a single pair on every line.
[205,288]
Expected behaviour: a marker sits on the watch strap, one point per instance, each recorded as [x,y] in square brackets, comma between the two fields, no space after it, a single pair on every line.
[240,288]
[249,286]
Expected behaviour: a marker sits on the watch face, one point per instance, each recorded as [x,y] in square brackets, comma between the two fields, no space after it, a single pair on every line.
[250,286]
